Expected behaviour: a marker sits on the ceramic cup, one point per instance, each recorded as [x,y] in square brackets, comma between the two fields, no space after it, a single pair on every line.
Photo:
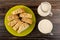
[45,26]
[44,9]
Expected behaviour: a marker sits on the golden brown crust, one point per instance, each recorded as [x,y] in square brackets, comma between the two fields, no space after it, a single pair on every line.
[22,27]
[13,22]
[27,20]
[17,25]
[26,15]
[18,11]
[12,17]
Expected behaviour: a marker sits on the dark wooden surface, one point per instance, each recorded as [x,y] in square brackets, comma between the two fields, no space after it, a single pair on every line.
[5,5]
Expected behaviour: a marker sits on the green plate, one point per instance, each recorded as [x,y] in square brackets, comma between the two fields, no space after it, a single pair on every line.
[25,32]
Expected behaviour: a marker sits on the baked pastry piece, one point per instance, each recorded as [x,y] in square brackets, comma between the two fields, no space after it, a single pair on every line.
[12,17]
[23,27]
[22,23]
[17,25]
[27,20]
[13,22]
[27,15]
[20,10]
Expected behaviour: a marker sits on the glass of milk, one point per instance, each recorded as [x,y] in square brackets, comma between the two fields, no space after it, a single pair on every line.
[45,26]
[44,9]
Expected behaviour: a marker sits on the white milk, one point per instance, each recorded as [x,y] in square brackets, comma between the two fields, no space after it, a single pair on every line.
[44,9]
[45,26]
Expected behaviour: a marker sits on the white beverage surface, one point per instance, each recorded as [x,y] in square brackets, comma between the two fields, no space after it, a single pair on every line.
[44,9]
[45,6]
[45,26]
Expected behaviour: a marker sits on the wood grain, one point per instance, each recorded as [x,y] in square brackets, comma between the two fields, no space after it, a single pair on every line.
[5,5]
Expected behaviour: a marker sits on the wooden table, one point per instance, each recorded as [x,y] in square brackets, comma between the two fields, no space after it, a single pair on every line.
[5,5]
